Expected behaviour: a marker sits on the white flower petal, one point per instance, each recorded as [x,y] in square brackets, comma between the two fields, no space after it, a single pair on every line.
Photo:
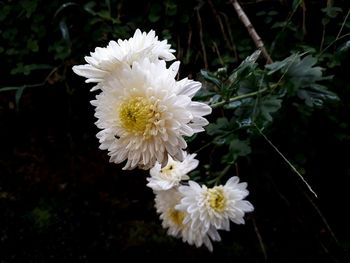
[172,173]
[105,61]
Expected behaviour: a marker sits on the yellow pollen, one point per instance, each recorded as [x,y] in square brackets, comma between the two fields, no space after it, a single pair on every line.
[216,198]
[177,217]
[137,115]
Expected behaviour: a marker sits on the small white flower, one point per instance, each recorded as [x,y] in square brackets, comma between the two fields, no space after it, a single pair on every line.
[171,175]
[214,206]
[144,113]
[107,60]
[173,220]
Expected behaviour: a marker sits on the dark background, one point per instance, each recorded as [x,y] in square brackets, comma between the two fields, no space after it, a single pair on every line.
[60,198]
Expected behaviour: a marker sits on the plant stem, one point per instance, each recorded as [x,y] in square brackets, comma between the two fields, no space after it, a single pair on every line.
[199,20]
[240,97]
[251,30]
[286,160]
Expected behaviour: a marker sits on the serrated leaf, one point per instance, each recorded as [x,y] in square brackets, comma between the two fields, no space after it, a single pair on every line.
[282,65]
[268,106]
[303,73]
[315,95]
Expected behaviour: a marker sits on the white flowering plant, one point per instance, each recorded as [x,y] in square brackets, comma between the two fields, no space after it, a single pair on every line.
[148,118]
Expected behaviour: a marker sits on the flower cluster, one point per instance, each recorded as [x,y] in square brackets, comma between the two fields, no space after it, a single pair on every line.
[142,111]
[143,114]
[192,212]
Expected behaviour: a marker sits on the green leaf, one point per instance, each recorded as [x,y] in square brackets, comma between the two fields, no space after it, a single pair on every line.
[282,65]
[154,14]
[296,4]
[267,106]
[224,139]
[237,148]
[4,12]
[222,124]
[32,44]
[88,7]
[244,70]
[29,6]
[27,69]
[301,77]
[170,8]
[303,73]
[315,95]
[211,78]
[332,11]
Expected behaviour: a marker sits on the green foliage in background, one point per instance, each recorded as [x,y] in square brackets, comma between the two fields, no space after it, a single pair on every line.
[297,104]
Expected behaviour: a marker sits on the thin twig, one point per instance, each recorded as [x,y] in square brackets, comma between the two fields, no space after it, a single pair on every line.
[261,242]
[289,18]
[234,48]
[314,206]
[189,41]
[201,38]
[221,25]
[31,85]
[323,36]
[303,6]
[329,4]
[287,161]
[322,217]
[342,26]
[251,30]
[332,43]
[216,49]
[338,37]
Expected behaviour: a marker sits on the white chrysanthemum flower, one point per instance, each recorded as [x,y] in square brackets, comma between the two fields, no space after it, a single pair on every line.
[107,60]
[173,220]
[214,206]
[144,114]
[171,175]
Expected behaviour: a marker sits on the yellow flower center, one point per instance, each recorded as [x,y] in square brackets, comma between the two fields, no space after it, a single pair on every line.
[216,198]
[167,170]
[137,115]
[177,217]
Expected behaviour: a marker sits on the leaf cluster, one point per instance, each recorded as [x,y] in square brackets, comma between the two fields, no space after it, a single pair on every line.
[251,97]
